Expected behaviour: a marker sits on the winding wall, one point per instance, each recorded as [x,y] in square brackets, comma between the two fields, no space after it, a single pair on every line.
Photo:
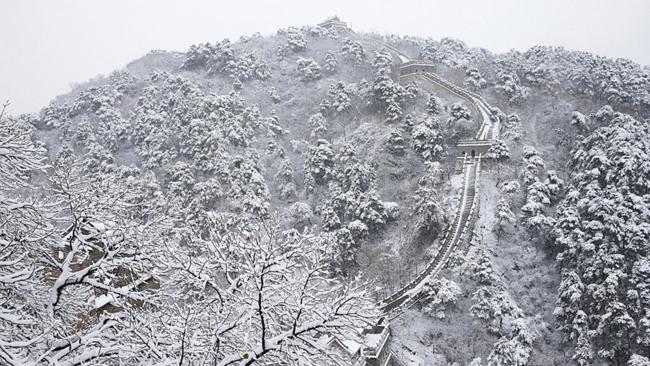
[459,231]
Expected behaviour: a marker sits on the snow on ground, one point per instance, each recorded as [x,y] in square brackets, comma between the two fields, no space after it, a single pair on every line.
[420,339]
[525,269]
[413,330]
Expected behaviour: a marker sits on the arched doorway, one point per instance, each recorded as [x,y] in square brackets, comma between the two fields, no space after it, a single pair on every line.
[473,153]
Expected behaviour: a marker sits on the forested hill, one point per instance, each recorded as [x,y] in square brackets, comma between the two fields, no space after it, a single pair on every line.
[234,203]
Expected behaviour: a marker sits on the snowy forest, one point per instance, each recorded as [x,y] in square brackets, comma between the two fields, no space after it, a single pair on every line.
[246,202]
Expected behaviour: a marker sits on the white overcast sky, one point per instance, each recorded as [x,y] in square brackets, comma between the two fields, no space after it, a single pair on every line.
[46,45]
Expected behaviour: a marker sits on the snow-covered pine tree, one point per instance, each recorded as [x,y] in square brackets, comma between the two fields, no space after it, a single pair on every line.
[580,122]
[383,59]
[508,83]
[273,127]
[395,143]
[339,99]
[354,50]
[426,211]
[474,79]
[511,128]
[498,151]
[514,350]
[388,96]
[319,162]
[534,163]
[330,63]
[439,294]
[330,219]
[602,237]
[285,181]
[318,124]
[295,41]
[344,252]
[460,111]
[308,69]
[427,139]
[503,216]
[434,105]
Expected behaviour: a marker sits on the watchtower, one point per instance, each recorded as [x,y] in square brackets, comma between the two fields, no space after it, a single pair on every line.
[473,148]
[469,149]
[414,67]
[334,22]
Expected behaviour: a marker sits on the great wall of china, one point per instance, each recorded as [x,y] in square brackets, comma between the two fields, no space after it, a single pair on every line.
[376,350]
[459,232]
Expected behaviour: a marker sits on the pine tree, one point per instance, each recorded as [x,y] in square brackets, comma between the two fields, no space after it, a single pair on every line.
[426,210]
[285,181]
[583,355]
[407,123]
[513,351]
[601,256]
[395,143]
[300,214]
[388,95]
[345,251]
[383,59]
[512,128]
[482,271]
[503,216]
[438,295]
[308,69]
[273,125]
[509,84]
[579,121]
[330,219]
[318,124]
[638,360]
[319,163]
[370,210]
[339,99]
[498,151]
[330,64]
[295,41]
[434,105]
[554,184]
[604,114]
[474,79]
[358,229]
[427,139]
[354,50]
[460,111]
[534,163]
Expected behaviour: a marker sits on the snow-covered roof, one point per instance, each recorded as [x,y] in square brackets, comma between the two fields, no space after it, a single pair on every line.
[346,344]
[352,346]
[333,21]
[372,339]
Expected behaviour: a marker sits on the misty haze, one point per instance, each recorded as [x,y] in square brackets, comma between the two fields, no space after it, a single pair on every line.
[313,193]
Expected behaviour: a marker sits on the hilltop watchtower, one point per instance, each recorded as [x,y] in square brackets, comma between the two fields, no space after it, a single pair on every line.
[334,22]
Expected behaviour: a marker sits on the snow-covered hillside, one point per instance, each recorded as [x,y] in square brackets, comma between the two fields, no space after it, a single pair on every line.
[239,202]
